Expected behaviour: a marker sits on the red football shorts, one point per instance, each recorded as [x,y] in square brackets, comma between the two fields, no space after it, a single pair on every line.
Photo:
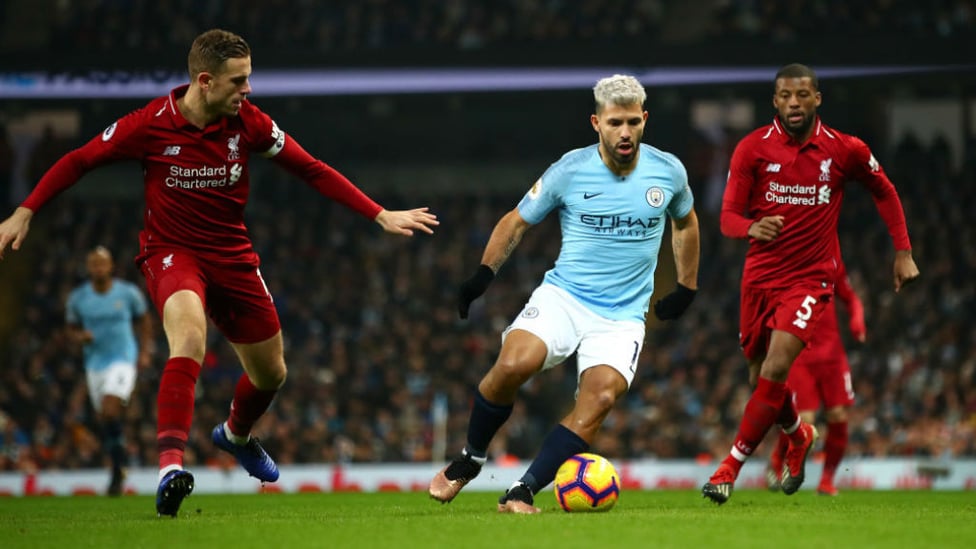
[234,296]
[814,383]
[795,310]
[821,374]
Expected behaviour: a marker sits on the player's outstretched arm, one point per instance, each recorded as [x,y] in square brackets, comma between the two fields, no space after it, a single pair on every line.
[405,222]
[905,269]
[14,229]
[504,238]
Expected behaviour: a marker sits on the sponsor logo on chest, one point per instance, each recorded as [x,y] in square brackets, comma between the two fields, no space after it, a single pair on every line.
[204,175]
[799,194]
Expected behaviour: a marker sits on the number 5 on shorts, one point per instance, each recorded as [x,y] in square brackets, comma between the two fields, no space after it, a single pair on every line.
[804,313]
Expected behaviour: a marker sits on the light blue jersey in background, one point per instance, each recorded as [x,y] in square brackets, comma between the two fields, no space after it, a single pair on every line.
[611,225]
[109,318]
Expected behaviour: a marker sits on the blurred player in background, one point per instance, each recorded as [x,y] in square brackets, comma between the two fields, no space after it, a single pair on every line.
[105,316]
[613,200]
[822,375]
[195,252]
[784,191]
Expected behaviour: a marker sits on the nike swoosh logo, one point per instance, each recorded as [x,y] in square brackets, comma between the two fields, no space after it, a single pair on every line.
[587,196]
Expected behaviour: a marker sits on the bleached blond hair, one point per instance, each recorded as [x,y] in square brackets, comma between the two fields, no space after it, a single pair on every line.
[619,89]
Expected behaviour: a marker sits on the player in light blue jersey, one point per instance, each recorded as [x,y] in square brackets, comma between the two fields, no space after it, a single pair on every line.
[612,199]
[105,316]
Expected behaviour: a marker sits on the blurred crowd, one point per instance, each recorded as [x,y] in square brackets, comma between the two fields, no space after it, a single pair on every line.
[769,20]
[363,25]
[382,370]
[347,24]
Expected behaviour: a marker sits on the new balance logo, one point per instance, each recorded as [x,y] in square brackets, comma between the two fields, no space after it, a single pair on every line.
[773,168]
[172,150]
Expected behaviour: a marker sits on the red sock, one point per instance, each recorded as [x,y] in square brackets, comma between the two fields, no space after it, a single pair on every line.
[788,416]
[834,447]
[789,419]
[761,412]
[779,452]
[249,404]
[174,405]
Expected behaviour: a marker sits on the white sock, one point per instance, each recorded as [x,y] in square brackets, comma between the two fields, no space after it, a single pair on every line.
[165,470]
[240,441]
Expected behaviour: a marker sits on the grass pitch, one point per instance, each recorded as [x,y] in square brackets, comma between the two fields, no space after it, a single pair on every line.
[752,518]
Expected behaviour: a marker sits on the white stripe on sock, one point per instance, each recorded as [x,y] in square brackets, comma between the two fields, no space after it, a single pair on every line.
[165,470]
[238,440]
[480,460]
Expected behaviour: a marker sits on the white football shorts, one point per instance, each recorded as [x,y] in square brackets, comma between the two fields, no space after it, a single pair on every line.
[119,379]
[566,326]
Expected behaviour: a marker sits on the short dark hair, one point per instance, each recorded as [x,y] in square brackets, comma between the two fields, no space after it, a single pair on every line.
[212,48]
[796,70]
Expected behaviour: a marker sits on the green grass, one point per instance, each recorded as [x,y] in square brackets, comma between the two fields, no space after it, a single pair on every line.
[752,519]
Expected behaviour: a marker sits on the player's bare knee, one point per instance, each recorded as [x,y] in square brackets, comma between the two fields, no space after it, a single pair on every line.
[836,415]
[279,378]
[111,408]
[189,342]
[269,379]
[775,368]
[497,390]
[508,370]
[599,401]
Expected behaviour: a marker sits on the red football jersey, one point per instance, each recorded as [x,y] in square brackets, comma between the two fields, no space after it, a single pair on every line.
[772,174]
[196,180]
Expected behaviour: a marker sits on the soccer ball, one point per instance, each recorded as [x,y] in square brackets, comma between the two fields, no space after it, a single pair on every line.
[587,482]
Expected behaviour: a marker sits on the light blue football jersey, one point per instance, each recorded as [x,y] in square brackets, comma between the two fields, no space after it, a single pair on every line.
[611,225]
[109,318]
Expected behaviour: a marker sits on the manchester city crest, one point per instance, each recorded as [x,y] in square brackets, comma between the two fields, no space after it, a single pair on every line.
[654,196]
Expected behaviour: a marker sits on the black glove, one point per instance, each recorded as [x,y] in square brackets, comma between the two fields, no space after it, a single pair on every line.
[473,287]
[674,304]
